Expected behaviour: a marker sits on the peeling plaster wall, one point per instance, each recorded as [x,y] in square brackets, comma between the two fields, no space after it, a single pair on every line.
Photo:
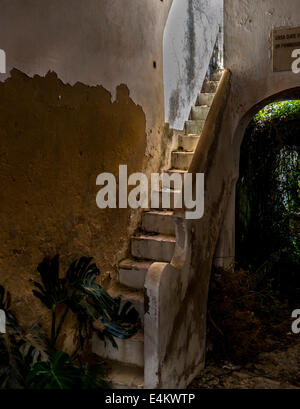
[55,140]
[99,42]
[189,39]
[102,105]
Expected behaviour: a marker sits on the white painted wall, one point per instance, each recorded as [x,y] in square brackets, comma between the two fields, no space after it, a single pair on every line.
[248,49]
[189,39]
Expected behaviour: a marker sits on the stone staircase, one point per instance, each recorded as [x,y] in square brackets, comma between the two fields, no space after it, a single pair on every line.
[154,242]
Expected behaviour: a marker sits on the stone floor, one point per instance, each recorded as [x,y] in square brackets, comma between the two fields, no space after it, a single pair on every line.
[279,369]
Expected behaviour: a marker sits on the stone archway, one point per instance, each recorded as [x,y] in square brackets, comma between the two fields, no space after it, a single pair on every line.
[225,251]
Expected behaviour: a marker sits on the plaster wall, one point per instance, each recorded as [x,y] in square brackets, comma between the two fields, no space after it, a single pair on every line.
[248,55]
[95,42]
[189,38]
[100,106]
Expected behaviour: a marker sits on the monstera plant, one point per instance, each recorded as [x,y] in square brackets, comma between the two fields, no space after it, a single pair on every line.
[78,292]
[31,359]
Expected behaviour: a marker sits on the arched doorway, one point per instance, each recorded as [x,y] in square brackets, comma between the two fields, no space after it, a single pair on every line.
[267,201]
[245,303]
[225,251]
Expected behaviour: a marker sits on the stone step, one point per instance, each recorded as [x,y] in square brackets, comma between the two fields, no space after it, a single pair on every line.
[200,112]
[153,247]
[167,181]
[216,75]
[210,86]
[179,172]
[129,351]
[194,127]
[181,160]
[158,222]
[165,198]
[136,297]
[132,273]
[124,376]
[205,99]
[188,142]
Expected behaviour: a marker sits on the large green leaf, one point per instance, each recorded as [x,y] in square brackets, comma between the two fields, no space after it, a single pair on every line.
[58,373]
[81,276]
[53,291]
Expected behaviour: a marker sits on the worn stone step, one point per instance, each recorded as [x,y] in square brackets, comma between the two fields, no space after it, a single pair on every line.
[216,75]
[200,112]
[153,247]
[158,221]
[194,127]
[210,86]
[188,142]
[181,160]
[132,273]
[166,198]
[179,172]
[205,99]
[130,351]
[136,297]
[120,376]
[169,181]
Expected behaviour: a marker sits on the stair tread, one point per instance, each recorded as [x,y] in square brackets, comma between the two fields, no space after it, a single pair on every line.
[177,171]
[120,290]
[195,120]
[165,189]
[206,93]
[155,237]
[183,152]
[122,376]
[161,212]
[130,263]
[191,135]
[129,351]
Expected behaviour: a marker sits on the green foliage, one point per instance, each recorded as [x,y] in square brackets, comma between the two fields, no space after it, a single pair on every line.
[28,358]
[53,292]
[268,199]
[81,277]
[12,367]
[60,372]
[79,292]
[19,349]
[280,109]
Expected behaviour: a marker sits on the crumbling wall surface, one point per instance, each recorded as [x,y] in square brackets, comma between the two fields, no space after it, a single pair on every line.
[55,140]
[81,96]
[98,42]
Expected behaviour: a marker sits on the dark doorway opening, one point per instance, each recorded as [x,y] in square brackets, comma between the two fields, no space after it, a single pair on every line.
[250,305]
[267,203]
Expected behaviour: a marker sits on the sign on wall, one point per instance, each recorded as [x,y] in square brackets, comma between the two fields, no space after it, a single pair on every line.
[285,41]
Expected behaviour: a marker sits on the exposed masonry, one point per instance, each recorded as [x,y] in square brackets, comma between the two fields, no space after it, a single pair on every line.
[154,242]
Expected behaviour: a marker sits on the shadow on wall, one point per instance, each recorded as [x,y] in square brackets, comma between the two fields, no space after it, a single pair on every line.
[55,140]
[189,39]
